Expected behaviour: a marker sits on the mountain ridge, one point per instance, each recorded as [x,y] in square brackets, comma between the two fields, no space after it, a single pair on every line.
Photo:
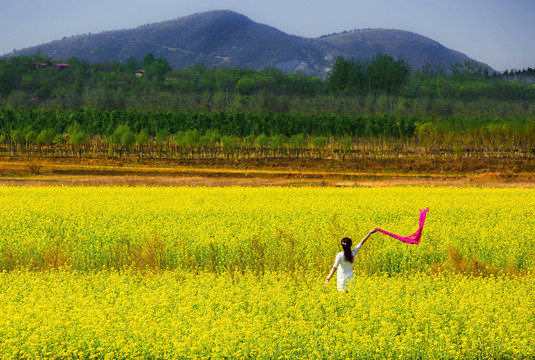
[226,38]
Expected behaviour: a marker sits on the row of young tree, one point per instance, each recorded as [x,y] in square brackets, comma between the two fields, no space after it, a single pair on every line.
[429,138]
[487,142]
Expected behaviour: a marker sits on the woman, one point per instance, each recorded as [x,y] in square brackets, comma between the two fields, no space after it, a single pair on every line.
[344,260]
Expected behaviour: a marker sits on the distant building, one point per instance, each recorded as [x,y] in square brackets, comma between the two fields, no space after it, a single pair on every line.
[37,65]
[139,73]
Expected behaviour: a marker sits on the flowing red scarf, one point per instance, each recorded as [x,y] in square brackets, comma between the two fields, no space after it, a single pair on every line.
[414,238]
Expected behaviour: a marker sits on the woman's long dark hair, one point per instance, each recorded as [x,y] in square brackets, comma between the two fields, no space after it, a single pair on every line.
[346,245]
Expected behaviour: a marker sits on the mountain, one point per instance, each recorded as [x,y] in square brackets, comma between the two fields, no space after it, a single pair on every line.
[226,38]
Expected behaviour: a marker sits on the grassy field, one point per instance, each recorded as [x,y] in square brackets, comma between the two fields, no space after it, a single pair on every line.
[170,272]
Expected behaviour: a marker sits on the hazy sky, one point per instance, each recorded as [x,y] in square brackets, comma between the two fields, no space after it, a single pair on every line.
[499,33]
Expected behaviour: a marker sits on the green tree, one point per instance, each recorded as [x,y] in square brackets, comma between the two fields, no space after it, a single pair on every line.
[346,75]
[298,143]
[114,140]
[30,135]
[262,142]
[248,144]
[229,144]
[467,68]
[132,65]
[246,86]
[77,138]
[157,70]
[179,139]
[382,73]
[60,141]
[18,138]
[46,137]
[215,138]
[346,145]
[162,138]
[192,140]
[128,139]
[122,138]
[387,74]
[148,59]
[278,142]
[319,144]
[142,139]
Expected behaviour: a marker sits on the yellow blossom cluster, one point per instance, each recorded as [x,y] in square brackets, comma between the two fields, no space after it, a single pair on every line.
[185,314]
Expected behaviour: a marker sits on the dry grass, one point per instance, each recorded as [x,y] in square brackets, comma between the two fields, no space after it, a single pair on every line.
[8,261]
[149,253]
[284,180]
[55,258]
[34,168]
[459,264]
[279,172]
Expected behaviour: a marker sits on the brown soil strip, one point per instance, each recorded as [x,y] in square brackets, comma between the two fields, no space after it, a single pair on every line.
[18,173]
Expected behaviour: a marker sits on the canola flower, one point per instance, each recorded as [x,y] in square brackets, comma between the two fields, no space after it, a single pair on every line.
[117,273]
[261,228]
[182,314]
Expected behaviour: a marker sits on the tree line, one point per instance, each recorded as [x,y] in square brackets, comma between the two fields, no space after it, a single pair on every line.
[351,86]
[226,135]
[431,142]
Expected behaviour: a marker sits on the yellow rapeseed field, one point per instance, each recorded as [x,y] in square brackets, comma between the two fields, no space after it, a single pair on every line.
[185,314]
[261,228]
[238,273]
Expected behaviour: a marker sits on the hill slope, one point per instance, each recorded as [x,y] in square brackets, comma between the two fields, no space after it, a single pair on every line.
[225,38]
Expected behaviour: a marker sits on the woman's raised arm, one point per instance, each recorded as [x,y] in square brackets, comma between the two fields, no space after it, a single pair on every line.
[367,236]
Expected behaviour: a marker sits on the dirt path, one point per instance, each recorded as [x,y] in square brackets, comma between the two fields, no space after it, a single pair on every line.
[16,173]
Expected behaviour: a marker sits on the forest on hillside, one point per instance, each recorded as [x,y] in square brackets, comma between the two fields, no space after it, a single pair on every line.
[379,85]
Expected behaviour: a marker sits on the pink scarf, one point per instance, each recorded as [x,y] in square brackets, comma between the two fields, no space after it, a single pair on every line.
[414,238]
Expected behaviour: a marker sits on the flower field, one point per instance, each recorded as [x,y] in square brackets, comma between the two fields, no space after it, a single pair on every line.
[91,272]
[184,314]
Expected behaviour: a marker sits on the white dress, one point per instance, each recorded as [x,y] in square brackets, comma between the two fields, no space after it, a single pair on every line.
[345,269]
